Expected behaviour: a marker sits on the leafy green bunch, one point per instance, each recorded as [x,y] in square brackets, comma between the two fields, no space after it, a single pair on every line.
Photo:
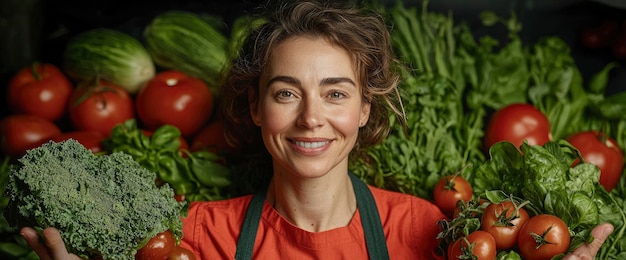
[105,206]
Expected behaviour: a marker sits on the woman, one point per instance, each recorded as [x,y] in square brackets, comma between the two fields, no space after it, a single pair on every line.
[313,86]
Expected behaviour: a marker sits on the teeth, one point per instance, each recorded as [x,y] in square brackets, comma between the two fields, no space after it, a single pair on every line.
[311,144]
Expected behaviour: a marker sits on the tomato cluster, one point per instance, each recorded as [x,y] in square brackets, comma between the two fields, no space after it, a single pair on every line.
[608,34]
[521,122]
[505,226]
[44,104]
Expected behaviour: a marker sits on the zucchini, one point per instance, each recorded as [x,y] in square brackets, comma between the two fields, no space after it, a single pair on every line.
[109,55]
[186,42]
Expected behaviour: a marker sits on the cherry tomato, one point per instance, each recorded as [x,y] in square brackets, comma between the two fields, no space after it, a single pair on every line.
[40,89]
[503,221]
[211,138]
[91,140]
[160,246]
[20,132]
[543,236]
[482,243]
[181,253]
[599,149]
[172,97]
[516,123]
[449,190]
[599,36]
[100,107]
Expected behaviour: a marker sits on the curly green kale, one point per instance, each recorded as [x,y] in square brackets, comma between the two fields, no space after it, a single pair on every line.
[104,205]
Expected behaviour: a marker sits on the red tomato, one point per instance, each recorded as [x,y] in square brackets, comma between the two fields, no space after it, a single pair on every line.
[160,246]
[482,243]
[181,253]
[19,133]
[100,107]
[542,237]
[516,123]
[599,149]
[449,190]
[172,97]
[599,36]
[91,140]
[40,89]
[211,138]
[503,221]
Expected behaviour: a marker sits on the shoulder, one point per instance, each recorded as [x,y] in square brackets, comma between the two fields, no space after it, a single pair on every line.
[409,220]
[228,209]
[215,223]
[387,200]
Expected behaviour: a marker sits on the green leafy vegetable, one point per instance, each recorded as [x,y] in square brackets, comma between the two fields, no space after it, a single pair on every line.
[106,206]
[109,55]
[197,175]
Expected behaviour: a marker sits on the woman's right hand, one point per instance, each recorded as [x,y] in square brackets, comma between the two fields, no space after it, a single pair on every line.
[51,247]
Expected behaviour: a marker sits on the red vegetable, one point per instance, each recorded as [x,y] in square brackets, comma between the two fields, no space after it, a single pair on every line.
[181,253]
[211,138]
[600,36]
[159,247]
[482,244]
[19,133]
[40,89]
[449,190]
[100,106]
[174,98]
[503,221]
[542,237]
[597,148]
[516,123]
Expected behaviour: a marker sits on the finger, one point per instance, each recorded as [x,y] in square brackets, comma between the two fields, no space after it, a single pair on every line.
[55,243]
[600,233]
[34,241]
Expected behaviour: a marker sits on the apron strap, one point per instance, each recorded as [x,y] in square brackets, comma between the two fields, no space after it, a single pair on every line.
[245,243]
[370,219]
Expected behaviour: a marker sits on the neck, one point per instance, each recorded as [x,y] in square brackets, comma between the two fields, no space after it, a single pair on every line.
[315,205]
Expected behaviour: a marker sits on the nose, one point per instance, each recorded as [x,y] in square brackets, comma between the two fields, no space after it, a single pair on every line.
[311,113]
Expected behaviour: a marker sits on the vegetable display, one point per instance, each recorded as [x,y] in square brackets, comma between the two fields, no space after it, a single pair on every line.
[105,206]
[499,131]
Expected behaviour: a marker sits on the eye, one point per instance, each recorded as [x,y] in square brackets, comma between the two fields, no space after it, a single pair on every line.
[337,95]
[284,94]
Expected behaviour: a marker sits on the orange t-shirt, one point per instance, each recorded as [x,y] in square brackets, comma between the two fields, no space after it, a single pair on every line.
[211,230]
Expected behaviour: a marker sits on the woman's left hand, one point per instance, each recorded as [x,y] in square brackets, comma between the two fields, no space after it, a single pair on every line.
[588,251]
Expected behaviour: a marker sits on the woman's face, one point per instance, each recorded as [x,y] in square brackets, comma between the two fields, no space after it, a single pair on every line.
[310,107]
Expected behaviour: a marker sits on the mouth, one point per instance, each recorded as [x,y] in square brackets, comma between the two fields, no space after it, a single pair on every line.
[310,145]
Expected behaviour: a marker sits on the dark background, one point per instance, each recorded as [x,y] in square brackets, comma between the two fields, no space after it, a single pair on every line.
[39,29]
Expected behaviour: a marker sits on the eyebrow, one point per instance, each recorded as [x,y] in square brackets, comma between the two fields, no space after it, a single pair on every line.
[325,81]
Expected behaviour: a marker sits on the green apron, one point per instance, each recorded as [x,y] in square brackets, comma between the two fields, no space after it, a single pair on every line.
[370,219]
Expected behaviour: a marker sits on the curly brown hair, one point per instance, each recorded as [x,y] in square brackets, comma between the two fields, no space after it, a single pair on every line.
[361,31]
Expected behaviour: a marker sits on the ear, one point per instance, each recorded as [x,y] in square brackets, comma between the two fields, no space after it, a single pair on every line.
[253,105]
[365,113]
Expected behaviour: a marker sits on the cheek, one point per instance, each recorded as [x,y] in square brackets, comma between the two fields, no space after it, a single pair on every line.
[276,118]
[346,122]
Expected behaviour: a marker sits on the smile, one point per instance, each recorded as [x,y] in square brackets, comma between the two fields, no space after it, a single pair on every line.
[311,144]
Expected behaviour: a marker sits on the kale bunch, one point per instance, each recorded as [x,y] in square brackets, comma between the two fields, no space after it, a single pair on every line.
[104,205]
